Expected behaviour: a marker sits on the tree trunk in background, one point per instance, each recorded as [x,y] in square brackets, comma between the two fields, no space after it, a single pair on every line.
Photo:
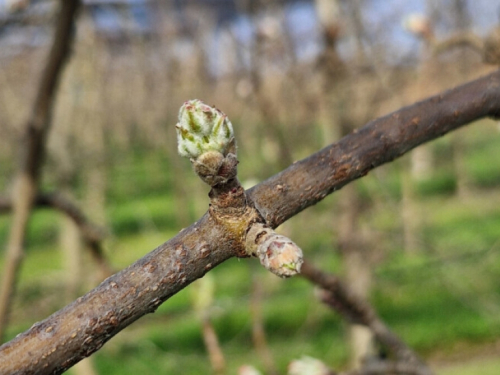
[25,187]
[416,167]
[459,144]
[91,126]
[59,147]
[354,247]
[71,243]
[84,367]
[357,265]
[337,120]
[277,147]
[410,214]
[420,161]
[28,177]
[202,297]
[258,331]
[212,344]
[95,195]
[70,239]
[332,70]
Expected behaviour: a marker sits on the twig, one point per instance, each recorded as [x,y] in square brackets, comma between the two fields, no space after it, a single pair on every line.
[91,234]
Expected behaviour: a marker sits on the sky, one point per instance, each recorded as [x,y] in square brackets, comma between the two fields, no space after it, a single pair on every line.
[383,16]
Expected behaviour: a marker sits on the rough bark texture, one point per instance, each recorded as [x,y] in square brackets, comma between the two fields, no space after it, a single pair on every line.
[81,328]
[33,148]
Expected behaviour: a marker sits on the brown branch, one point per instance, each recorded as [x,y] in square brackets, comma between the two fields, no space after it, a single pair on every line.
[258,330]
[26,181]
[58,202]
[91,234]
[356,310]
[81,328]
[40,119]
[212,345]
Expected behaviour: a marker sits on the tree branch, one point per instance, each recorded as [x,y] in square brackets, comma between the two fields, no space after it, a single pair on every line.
[339,297]
[58,202]
[92,234]
[81,328]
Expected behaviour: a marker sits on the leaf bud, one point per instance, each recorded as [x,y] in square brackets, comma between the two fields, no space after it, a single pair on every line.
[202,128]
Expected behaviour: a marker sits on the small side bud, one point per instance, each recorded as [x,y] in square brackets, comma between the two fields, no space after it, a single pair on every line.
[277,253]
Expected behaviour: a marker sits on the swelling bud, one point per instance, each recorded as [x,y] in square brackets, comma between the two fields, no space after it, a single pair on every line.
[202,128]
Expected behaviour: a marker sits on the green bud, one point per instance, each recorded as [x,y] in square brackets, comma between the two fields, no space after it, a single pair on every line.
[202,128]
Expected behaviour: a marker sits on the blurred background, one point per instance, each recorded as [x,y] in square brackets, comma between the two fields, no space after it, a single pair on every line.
[418,237]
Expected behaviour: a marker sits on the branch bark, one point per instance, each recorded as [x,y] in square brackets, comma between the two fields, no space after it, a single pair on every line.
[27,179]
[81,328]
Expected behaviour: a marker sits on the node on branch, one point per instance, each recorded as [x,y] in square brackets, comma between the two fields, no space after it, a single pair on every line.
[205,136]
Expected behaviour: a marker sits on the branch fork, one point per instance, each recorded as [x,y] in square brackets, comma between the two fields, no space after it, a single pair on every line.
[205,135]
